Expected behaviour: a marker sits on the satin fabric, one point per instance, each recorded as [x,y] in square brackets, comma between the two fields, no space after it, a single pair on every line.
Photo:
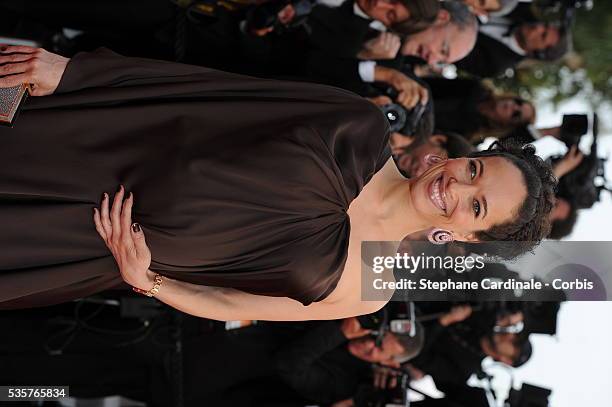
[238,182]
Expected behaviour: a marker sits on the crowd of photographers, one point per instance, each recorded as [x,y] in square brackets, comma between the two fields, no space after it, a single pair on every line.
[114,345]
[397,54]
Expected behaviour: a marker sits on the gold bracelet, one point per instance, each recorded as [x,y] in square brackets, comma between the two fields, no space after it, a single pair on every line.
[157,282]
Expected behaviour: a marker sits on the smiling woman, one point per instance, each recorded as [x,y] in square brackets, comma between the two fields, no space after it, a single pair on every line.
[495,195]
[252,197]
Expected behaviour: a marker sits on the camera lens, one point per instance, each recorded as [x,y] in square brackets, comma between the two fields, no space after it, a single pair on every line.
[396,115]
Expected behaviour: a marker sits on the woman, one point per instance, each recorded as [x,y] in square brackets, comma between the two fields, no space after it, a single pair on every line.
[254,195]
[468,107]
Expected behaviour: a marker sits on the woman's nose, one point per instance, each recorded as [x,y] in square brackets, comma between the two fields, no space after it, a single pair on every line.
[460,188]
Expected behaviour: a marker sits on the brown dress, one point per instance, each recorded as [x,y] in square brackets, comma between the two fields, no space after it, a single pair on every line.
[238,182]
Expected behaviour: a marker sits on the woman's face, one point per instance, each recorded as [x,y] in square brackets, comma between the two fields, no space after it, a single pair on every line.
[467,195]
[512,111]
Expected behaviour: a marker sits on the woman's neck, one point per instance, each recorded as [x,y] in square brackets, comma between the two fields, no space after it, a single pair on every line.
[390,203]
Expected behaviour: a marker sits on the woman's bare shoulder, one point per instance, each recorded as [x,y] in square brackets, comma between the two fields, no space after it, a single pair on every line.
[352,305]
[348,296]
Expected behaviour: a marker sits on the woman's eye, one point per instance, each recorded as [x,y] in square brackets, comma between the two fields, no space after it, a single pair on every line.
[473,169]
[476,206]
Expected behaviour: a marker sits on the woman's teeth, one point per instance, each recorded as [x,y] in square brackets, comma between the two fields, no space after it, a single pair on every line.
[436,196]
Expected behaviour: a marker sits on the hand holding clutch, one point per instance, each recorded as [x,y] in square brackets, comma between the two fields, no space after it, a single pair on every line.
[41,69]
[125,240]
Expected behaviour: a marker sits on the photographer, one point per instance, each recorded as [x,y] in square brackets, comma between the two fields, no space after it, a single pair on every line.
[469,107]
[415,159]
[448,39]
[564,215]
[563,218]
[456,345]
[328,363]
[331,30]
[504,42]
[412,125]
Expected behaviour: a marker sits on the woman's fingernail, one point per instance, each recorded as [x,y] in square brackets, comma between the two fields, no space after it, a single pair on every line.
[136,227]
[120,188]
[104,196]
[131,196]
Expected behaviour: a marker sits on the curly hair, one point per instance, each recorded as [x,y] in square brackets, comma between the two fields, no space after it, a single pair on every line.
[531,223]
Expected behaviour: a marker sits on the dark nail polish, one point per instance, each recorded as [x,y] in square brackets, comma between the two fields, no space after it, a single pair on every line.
[136,228]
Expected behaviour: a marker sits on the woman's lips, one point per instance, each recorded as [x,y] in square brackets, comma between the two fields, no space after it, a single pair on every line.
[437,194]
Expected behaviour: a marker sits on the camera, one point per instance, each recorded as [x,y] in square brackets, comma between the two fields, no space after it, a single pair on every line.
[583,185]
[417,122]
[401,120]
[573,127]
[396,317]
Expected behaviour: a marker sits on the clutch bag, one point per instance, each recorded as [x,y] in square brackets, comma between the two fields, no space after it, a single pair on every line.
[11,101]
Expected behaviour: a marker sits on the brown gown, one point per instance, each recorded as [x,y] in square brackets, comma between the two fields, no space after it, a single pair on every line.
[238,182]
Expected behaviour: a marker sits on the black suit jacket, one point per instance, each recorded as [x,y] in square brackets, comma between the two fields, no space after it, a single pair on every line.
[445,359]
[336,35]
[338,30]
[319,366]
[456,104]
[489,58]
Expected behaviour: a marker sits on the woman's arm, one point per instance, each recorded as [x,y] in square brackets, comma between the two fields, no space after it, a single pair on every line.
[127,243]
[49,73]
[229,304]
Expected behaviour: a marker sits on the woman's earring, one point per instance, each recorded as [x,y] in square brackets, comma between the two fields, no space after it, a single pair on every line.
[440,236]
[432,159]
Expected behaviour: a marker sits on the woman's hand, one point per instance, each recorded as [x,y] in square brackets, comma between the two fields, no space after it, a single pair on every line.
[125,239]
[35,66]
